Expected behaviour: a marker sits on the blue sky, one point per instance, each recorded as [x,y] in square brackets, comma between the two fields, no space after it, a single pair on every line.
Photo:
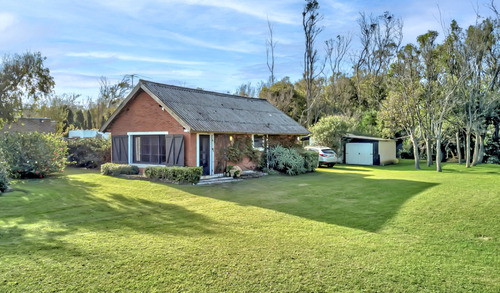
[215,45]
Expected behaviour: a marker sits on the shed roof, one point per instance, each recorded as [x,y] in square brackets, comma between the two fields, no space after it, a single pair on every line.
[349,135]
[204,111]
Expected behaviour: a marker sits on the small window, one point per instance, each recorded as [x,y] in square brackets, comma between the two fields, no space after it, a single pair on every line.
[258,141]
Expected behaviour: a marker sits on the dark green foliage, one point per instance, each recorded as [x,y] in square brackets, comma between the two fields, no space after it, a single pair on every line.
[33,154]
[88,120]
[291,161]
[80,120]
[311,159]
[117,169]
[492,151]
[175,174]
[4,173]
[89,152]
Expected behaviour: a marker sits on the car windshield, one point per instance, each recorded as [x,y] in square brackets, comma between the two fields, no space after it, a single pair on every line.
[328,151]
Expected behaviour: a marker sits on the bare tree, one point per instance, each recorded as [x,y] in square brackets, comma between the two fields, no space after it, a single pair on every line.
[270,46]
[336,50]
[380,39]
[310,20]
[402,106]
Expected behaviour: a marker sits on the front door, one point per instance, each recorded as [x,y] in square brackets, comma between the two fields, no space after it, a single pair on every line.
[204,152]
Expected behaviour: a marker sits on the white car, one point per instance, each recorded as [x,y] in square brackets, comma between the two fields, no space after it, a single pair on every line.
[327,156]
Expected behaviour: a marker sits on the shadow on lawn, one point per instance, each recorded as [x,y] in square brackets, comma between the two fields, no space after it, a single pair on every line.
[342,198]
[44,211]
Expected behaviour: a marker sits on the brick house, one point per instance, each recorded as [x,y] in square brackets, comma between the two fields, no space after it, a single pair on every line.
[159,124]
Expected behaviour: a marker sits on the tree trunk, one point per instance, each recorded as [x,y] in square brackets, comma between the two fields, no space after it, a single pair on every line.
[476,149]
[467,149]
[428,149]
[459,154]
[416,154]
[480,156]
[438,154]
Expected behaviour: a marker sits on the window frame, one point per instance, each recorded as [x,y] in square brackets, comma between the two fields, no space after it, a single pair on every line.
[261,148]
[161,157]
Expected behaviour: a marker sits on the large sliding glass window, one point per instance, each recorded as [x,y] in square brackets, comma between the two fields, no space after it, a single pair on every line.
[149,149]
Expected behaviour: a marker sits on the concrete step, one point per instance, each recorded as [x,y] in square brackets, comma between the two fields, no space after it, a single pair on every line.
[218,180]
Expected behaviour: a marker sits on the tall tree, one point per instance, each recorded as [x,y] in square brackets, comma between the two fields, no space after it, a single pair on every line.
[310,24]
[380,39]
[336,50]
[88,120]
[270,46]
[80,119]
[23,79]
[402,107]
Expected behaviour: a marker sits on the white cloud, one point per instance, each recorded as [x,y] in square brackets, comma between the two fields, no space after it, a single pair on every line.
[239,47]
[7,20]
[274,10]
[125,57]
[259,9]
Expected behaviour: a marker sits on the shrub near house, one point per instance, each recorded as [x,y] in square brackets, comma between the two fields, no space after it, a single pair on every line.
[89,152]
[33,154]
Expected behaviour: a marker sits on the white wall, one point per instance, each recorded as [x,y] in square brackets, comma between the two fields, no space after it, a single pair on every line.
[387,152]
[86,134]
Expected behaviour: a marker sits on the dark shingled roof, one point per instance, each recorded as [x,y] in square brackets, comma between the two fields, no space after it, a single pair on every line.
[204,111]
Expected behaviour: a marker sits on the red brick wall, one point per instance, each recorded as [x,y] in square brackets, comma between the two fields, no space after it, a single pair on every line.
[221,140]
[144,114]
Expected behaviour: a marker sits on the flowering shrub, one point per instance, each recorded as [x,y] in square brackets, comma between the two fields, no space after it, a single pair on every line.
[89,152]
[33,154]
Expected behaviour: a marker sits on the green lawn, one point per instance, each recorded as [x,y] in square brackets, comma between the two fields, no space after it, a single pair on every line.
[349,228]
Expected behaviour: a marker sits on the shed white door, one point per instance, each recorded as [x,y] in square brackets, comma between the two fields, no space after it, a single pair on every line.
[359,153]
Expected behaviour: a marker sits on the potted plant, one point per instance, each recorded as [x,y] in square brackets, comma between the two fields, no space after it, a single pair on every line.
[227,173]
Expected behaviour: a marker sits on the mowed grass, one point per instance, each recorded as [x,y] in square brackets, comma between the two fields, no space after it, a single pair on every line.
[350,228]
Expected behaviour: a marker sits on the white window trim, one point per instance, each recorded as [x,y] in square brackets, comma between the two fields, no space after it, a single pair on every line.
[131,146]
[212,159]
[253,145]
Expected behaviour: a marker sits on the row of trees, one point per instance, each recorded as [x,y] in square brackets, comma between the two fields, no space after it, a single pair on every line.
[443,96]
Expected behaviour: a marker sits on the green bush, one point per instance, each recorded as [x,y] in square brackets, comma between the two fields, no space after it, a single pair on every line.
[175,174]
[311,160]
[89,152]
[33,154]
[291,161]
[113,169]
[4,173]
[492,151]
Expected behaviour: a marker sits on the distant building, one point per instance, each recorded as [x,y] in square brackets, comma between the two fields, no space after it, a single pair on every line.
[42,125]
[87,134]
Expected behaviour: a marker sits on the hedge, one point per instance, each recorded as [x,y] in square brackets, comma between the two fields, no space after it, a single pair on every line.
[89,152]
[117,169]
[175,174]
[33,154]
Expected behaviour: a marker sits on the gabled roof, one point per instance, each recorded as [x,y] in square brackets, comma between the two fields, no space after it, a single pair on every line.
[204,111]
